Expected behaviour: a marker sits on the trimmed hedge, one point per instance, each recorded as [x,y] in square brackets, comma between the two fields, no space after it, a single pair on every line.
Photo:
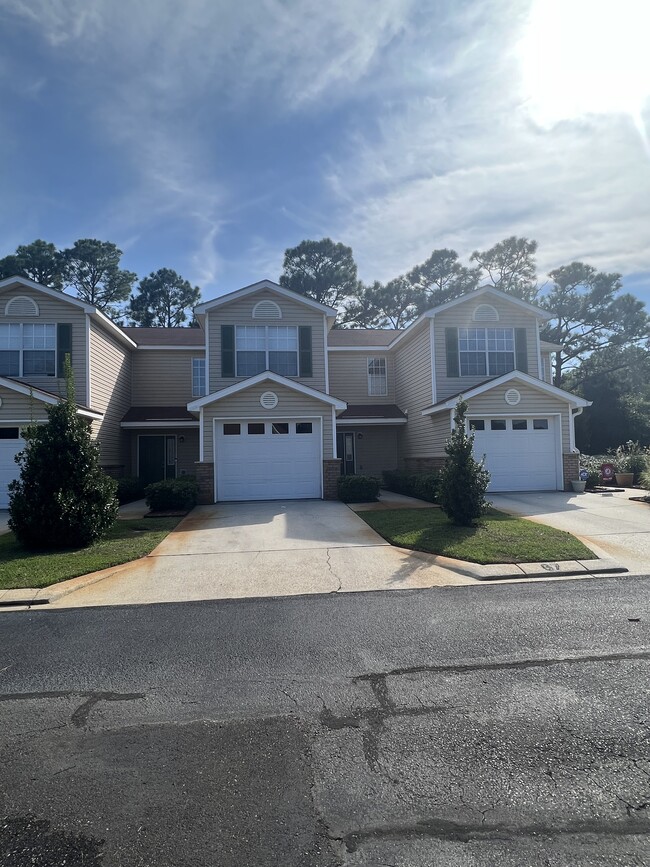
[173,494]
[357,489]
[129,489]
[422,486]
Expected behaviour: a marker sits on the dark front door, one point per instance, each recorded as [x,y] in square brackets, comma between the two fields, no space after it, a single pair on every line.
[156,458]
[345,450]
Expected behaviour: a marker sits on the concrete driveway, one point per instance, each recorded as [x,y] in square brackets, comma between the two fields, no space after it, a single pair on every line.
[613,526]
[235,550]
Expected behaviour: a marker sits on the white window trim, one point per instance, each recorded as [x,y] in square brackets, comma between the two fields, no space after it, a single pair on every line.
[199,393]
[266,345]
[486,352]
[21,351]
[369,360]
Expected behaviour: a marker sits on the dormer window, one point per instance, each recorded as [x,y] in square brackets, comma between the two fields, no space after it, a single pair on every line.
[486,351]
[486,313]
[266,309]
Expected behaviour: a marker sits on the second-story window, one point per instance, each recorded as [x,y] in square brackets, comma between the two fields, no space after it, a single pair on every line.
[198,377]
[486,351]
[377,380]
[266,347]
[27,349]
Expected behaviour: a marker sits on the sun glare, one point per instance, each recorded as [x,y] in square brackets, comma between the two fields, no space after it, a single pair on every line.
[583,57]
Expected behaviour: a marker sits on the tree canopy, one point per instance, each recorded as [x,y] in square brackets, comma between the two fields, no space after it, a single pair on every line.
[510,267]
[39,261]
[164,299]
[322,270]
[92,267]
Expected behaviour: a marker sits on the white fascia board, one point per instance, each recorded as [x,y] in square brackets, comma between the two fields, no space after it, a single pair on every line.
[267,376]
[51,293]
[258,287]
[158,424]
[88,413]
[539,384]
[173,348]
[103,320]
[495,293]
[364,421]
[88,361]
[377,349]
[43,396]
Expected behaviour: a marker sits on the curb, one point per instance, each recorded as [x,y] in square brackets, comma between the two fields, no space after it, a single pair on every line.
[28,598]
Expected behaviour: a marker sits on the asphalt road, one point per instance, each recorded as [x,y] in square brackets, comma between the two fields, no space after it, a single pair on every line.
[465,726]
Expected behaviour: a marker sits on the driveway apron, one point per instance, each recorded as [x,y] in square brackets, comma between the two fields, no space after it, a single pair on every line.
[276,548]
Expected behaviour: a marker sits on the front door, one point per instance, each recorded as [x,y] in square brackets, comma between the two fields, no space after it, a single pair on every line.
[345,450]
[156,458]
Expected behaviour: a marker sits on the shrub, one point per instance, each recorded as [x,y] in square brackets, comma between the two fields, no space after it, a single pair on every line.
[463,480]
[63,498]
[357,489]
[424,486]
[632,458]
[173,494]
[129,488]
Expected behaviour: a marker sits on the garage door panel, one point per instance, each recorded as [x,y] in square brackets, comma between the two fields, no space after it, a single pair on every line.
[268,466]
[519,460]
[9,469]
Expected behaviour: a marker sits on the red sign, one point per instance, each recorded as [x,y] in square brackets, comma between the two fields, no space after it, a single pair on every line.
[607,472]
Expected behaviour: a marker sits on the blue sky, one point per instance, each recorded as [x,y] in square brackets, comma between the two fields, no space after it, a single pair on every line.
[208,136]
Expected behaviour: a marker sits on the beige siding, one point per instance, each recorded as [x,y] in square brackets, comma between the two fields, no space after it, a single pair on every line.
[20,408]
[492,404]
[110,385]
[163,377]
[349,376]
[376,450]
[246,404]
[240,312]
[187,452]
[53,311]
[413,390]
[461,316]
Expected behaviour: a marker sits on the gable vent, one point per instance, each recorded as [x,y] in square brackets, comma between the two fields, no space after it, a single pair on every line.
[269,400]
[21,305]
[486,313]
[266,310]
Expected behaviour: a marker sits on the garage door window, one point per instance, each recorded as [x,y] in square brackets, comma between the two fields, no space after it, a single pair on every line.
[498,424]
[8,433]
[519,424]
[303,427]
[540,424]
[281,427]
[231,430]
[255,429]
[477,424]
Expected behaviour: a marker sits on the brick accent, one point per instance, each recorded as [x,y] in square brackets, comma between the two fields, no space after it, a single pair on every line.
[423,465]
[571,468]
[205,477]
[331,473]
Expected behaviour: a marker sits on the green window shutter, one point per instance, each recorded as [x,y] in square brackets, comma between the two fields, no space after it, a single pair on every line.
[521,350]
[227,350]
[451,347]
[63,347]
[305,366]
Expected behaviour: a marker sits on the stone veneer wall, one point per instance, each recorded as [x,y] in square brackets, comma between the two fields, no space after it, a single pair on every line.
[571,467]
[205,477]
[331,473]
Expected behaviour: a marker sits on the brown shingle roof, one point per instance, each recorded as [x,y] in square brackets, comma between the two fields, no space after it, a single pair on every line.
[166,336]
[372,410]
[158,413]
[361,336]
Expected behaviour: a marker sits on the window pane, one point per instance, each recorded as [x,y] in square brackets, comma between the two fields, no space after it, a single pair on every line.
[231,430]
[540,424]
[8,433]
[38,363]
[283,337]
[303,427]
[472,364]
[198,377]
[255,428]
[501,362]
[284,363]
[9,363]
[9,336]
[519,424]
[477,424]
[377,380]
[280,427]
[250,337]
[471,339]
[498,424]
[250,363]
[500,340]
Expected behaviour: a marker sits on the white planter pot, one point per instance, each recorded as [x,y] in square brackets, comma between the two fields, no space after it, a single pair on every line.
[578,486]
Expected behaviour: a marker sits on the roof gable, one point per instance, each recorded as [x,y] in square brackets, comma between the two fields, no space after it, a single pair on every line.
[269,286]
[267,376]
[491,292]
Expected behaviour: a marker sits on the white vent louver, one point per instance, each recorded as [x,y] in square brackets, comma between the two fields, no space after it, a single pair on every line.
[486,313]
[267,310]
[269,400]
[512,397]
[21,305]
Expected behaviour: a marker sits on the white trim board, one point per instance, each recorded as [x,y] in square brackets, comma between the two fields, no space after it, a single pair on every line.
[261,285]
[364,421]
[266,376]
[159,424]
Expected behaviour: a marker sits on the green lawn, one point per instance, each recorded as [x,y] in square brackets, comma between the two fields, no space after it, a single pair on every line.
[498,538]
[126,540]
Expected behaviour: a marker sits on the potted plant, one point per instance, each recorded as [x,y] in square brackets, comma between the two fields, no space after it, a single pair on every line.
[578,485]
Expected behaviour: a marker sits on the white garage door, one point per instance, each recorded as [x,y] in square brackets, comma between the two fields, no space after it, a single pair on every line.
[268,460]
[520,453]
[10,445]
